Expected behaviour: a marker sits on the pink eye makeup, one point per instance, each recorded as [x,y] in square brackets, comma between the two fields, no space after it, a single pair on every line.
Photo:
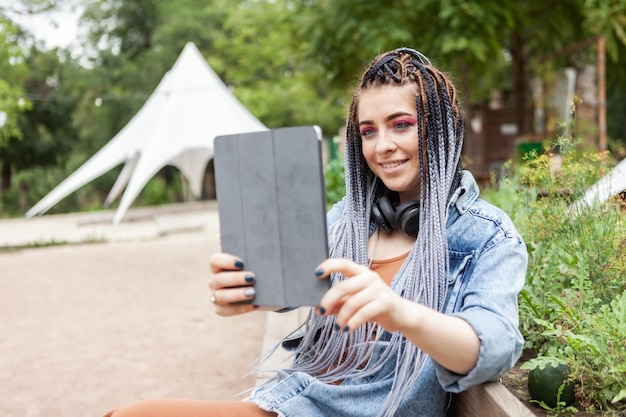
[398,122]
[367,131]
[404,123]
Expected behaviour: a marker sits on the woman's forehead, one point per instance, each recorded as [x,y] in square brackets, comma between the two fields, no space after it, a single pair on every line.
[378,101]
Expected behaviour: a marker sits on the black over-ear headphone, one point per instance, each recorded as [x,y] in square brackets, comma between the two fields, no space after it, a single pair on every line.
[405,217]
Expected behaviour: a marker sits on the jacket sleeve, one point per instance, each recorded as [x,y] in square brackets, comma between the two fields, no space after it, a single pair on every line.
[489,304]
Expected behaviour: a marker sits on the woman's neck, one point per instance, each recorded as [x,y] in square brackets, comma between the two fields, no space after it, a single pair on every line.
[389,245]
[408,196]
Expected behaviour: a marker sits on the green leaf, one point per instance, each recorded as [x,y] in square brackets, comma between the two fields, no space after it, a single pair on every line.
[619,397]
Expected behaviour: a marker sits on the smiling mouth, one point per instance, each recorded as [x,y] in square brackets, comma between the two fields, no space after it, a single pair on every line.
[393,164]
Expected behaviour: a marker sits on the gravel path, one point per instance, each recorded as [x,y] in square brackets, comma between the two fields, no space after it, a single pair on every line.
[88,327]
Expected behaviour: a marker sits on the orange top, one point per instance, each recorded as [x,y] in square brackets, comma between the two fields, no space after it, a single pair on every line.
[387,268]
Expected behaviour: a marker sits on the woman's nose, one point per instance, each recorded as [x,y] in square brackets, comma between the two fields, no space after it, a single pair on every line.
[385,142]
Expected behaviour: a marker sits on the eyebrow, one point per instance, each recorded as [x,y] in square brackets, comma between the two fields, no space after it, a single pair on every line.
[388,118]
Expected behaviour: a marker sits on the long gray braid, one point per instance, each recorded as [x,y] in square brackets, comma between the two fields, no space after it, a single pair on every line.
[333,355]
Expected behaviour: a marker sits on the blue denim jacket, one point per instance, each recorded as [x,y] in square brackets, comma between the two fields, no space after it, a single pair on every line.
[488,262]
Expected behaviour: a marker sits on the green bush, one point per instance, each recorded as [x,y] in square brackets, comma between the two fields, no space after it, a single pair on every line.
[164,188]
[29,186]
[334,181]
[573,306]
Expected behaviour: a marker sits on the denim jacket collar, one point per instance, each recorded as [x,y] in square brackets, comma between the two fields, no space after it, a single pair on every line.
[463,197]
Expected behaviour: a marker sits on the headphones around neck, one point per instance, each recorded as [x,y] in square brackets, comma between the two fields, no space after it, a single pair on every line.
[404,218]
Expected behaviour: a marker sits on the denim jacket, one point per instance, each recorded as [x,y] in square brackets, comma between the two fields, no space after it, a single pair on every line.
[488,262]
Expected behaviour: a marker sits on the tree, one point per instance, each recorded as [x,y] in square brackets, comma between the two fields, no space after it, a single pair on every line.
[47,134]
[483,41]
[28,6]
[293,62]
[12,75]
[267,70]
[125,27]
[263,67]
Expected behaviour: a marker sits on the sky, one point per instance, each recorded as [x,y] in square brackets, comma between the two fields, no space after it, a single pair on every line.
[58,29]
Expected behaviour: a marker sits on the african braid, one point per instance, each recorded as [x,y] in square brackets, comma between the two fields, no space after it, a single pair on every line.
[332,355]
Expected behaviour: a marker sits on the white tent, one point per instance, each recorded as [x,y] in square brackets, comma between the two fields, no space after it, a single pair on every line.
[609,186]
[176,126]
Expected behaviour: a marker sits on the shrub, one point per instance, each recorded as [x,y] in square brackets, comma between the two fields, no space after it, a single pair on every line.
[573,306]
[334,181]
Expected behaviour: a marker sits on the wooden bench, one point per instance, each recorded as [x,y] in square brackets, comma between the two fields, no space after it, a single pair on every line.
[491,399]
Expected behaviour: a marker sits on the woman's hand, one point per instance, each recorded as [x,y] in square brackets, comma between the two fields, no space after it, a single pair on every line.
[232,287]
[363,297]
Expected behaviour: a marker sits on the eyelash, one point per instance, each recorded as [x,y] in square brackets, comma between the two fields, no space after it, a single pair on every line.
[405,124]
[368,132]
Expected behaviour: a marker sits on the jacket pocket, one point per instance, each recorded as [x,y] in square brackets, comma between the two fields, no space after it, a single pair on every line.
[459,264]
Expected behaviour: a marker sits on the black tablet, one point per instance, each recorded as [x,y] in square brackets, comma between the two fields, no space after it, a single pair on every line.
[272,211]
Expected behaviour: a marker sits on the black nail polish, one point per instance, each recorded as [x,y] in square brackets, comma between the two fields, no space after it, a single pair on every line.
[319,272]
[336,326]
[249,278]
[322,310]
[346,328]
[238,264]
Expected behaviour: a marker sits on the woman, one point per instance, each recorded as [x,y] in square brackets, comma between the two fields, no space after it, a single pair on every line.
[425,275]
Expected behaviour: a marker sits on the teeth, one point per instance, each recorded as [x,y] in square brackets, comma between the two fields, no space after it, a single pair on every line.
[391,164]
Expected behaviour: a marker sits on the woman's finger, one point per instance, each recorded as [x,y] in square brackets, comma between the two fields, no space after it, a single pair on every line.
[351,311]
[332,298]
[233,301]
[363,297]
[359,278]
[364,314]
[225,262]
[337,295]
[226,296]
[343,266]
[231,279]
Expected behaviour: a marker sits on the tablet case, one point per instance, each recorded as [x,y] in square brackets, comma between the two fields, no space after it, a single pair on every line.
[272,212]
